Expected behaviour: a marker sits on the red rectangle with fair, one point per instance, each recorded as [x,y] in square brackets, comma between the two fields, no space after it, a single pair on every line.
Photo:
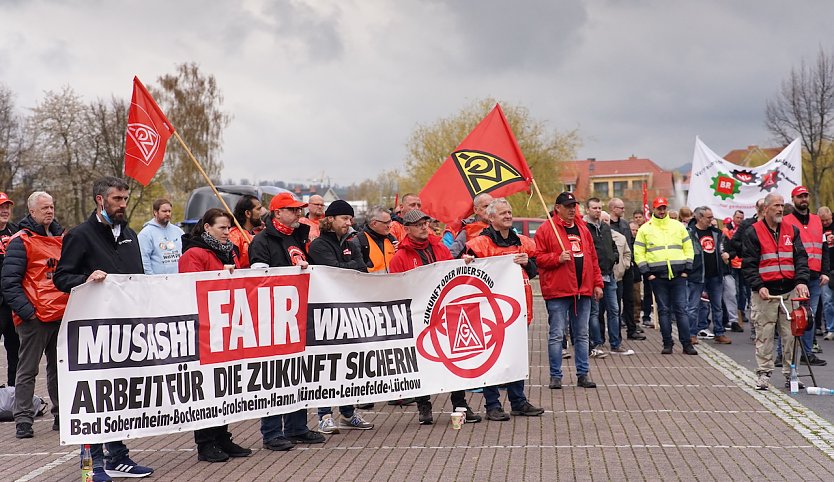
[252,317]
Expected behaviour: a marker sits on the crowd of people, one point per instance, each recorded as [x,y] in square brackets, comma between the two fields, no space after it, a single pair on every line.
[599,273]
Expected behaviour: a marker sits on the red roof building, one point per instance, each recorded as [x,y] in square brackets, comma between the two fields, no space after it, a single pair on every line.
[622,178]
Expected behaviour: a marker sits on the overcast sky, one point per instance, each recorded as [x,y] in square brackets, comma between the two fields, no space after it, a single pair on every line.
[338,86]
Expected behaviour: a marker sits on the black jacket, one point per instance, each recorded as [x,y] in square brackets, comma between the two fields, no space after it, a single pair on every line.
[5,234]
[328,250]
[698,271]
[272,247]
[605,246]
[90,246]
[14,268]
[750,265]
[512,240]
[735,246]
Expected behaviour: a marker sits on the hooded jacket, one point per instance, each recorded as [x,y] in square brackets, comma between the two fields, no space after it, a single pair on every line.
[199,256]
[558,280]
[161,247]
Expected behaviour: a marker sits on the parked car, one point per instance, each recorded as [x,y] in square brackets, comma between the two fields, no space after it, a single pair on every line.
[203,198]
[527,226]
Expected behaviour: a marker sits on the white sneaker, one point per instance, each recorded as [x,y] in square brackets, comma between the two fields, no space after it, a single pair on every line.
[621,350]
[597,353]
[327,425]
[565,354]
[828,336]
[706,335]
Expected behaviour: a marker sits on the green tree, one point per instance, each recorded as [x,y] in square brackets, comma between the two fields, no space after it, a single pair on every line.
[544,149]
[192,101]
[804,108]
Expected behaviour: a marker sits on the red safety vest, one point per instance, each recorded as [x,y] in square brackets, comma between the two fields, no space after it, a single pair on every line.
[811,236]
[42,255]
[484,247]
[776,260]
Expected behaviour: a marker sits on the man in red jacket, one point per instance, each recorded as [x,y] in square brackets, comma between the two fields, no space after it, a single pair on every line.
[418,248]
[570,276]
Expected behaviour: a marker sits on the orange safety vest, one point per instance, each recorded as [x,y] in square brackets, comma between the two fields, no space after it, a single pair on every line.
[381,259]
[811,236]
[484,247]
[398,231]
[42,255]
[775,261]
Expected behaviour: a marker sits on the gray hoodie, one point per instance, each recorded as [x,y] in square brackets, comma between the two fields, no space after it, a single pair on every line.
[161,247]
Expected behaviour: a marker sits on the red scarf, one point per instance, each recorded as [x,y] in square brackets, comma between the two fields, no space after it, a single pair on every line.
[282,228]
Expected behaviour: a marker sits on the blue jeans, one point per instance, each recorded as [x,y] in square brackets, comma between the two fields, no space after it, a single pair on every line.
[611,307]
[285,425]
[828,308]
[693,305]
[515,393]
[816,291]
[346,411]
[647,299]
[714,287]
[670,296]
[742,293]
[115,451]
[561,312]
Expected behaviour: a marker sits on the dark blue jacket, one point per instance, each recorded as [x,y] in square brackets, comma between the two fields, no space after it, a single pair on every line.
[698,269]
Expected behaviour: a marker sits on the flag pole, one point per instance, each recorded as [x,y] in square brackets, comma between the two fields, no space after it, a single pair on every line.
[547,212]
[211,185]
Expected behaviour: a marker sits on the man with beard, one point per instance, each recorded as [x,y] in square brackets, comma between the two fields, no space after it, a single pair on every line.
[775,265]
[103,244]
[810,230]
[283,243]
[315,211]
[161,241]
[248,212]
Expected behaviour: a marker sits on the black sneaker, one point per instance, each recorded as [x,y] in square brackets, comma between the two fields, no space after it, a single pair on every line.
[667,350]
[210,452]
[636,336]
[778,362]
[308,437]
[585,382]
[527,410]
[425,417]
[471,417]
[232,449]
[497,414]
[279,444]
[814,361]
[690,350]
[56,426]
[24,430]
[555,383]
[365,406]
[736,328]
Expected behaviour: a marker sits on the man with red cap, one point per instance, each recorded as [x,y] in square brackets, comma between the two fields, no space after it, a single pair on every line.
[663,251]
[10,339]
[811,233]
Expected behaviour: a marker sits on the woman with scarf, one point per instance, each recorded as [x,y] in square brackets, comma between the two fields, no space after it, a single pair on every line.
[208,248]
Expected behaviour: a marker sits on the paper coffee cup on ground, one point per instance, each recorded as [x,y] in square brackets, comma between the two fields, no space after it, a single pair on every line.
[457,420]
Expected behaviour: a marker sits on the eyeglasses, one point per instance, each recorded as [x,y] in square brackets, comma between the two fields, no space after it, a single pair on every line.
[421,224]
[295,210]
[387,223]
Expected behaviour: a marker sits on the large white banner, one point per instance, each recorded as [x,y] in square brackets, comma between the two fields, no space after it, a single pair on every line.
[727,187]
[147,355]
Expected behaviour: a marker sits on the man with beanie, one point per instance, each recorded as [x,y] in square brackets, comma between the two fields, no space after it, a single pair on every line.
[334,248]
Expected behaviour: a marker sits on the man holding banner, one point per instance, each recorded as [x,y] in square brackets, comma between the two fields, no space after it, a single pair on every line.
[103,244]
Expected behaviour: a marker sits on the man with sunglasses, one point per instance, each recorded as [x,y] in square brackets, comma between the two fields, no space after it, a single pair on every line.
[663,251]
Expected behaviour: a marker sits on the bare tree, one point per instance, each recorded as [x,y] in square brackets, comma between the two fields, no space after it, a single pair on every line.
[804,108]
[13,146]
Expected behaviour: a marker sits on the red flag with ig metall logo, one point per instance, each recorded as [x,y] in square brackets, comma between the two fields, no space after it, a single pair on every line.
[147,134]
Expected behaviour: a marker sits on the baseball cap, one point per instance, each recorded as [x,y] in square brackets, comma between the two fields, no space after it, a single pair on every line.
[660,201]
[799,190]
[727,221]
[566,199]
[285,200]
[414,216]
[4,198]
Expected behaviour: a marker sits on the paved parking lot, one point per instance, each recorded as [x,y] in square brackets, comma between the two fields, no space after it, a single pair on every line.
[652,417]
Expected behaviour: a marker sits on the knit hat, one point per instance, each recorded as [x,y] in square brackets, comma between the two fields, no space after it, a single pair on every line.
[339,208]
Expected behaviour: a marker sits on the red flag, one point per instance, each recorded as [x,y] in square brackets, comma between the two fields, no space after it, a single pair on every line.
[646,212]
[148,131]
[487,161]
